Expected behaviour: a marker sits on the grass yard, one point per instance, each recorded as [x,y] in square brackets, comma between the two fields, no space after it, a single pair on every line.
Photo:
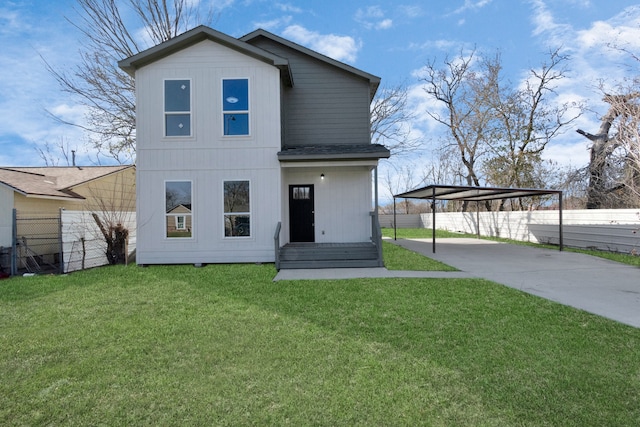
[224,345]
[398,258]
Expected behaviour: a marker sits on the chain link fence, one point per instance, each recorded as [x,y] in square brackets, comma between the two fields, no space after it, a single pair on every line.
[37,243]
[62,243]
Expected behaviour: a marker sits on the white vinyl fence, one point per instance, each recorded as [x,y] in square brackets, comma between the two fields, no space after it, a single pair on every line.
[404,221]
[83,245]
[615,230]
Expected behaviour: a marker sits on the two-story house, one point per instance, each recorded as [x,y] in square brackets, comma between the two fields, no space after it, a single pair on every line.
[253,150]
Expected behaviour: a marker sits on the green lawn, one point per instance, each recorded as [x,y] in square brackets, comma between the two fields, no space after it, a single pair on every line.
[225,345]
[398,258]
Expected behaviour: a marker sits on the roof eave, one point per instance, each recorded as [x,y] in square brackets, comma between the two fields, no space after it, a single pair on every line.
[331,157]
[191,37]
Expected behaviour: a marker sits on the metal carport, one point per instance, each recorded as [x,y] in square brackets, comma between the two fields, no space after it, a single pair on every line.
[472,194]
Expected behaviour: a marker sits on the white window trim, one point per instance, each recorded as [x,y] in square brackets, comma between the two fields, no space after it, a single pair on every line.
[190,112]
[193,225]
[224,213]
[247,112]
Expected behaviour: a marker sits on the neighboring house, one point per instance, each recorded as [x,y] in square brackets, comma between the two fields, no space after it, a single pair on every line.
[265,141]
[42,191]
[179,221]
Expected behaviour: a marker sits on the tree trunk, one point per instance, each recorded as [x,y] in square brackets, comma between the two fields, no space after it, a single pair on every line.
[116,239]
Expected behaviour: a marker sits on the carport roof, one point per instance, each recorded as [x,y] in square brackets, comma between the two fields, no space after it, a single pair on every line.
[474,194]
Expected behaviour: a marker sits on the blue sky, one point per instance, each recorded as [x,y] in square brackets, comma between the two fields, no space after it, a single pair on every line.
[391,39]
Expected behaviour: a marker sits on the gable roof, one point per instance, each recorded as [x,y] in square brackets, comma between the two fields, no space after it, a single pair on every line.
[54,182]
[196,35]
[242,45]
[374,81]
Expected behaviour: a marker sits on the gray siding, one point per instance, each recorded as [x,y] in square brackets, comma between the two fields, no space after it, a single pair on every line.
[325,106]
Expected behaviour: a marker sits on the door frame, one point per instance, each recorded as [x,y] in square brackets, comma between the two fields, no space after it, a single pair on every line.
[302,229]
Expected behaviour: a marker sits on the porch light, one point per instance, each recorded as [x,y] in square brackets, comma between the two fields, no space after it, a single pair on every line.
[321,176]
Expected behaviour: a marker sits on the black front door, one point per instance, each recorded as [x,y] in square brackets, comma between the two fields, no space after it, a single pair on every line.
[301,221]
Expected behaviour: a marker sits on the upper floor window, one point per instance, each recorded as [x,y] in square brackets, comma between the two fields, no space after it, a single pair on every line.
[235,106]
[177,108]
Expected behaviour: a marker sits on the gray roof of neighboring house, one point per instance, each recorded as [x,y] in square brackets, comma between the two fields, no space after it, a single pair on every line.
[334,152]
[53,181]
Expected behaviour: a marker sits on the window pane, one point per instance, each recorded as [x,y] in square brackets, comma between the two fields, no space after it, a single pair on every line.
[180,222]
[236,124]
[178,209]
[235,95]
[177,95]
[236,196]
[178,125]
[301,193]
[237,226]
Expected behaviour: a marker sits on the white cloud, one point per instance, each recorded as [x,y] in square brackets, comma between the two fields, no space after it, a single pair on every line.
[384,24]
[622,31]
[274,23]
[289,8]
[341,48]
[472,5]
[593,62]
[10,21]
[373,17]
[411,11]
[573,154]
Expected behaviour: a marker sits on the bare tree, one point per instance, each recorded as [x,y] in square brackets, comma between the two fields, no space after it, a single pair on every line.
[57,153]
[399,179]
[461,87]
[455,87]
[614,166]
[500,131]
[391,120]
[98,83]
[112,207]
[525,121]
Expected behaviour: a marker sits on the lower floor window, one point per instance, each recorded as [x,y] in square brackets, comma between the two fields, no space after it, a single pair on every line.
[237,212]
[178,215]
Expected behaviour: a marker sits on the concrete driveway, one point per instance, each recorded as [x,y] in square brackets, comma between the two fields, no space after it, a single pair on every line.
[596,285]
